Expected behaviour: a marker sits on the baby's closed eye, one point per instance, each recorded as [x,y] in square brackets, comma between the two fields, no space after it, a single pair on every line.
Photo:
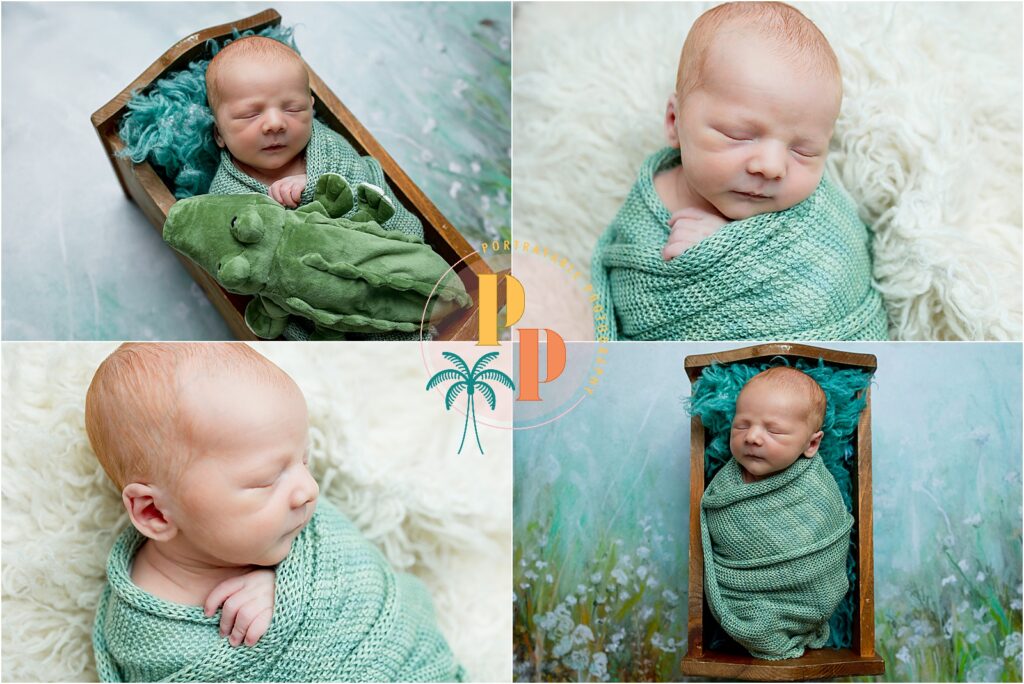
[263,480]
[741,136]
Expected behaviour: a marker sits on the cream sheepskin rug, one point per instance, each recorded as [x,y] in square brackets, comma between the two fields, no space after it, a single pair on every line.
[928,142]
[382,449]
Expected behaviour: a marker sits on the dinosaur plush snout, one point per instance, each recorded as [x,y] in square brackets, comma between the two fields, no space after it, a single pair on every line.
[247,226]
[234,273]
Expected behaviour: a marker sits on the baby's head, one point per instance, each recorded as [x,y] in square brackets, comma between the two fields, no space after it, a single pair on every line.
[208,445]
[779,414]
[757,95]
[258,90]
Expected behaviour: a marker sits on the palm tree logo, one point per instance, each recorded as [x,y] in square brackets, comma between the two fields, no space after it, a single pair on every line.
[471,381]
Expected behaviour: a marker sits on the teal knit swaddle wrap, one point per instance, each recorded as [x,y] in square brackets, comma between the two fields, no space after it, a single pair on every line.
[340,614]
[799,274]
[327,152]
[775,556]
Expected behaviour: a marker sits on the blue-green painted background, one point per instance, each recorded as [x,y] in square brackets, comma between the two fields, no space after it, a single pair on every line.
[601,517]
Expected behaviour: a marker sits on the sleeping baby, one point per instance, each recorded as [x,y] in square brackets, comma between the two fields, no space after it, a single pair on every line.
[207,444]
[732,232]
[774,528]
[258,91]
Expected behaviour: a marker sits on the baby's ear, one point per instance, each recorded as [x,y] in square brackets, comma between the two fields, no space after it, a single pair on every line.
[812,446]
[145,514]
[671,132]
[217,137]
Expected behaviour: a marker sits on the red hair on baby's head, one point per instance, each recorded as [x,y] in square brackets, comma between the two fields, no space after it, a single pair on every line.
[796,36]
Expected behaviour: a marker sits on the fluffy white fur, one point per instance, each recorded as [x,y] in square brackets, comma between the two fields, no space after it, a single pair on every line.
[928,142]
[383,449]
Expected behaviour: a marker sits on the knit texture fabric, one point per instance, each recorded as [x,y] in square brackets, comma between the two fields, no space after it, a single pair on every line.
[340,614]
[327,152]
[799,274]
[775,556]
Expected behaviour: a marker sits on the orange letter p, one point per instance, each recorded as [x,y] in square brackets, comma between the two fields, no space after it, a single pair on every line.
[529,361]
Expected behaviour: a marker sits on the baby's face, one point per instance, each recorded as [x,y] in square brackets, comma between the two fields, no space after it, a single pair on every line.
[771,429]
[265,112]
[754,135]
[247,492]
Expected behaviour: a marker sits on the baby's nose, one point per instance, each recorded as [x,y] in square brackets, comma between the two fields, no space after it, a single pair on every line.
[273,122]
[306,492]
[769,160]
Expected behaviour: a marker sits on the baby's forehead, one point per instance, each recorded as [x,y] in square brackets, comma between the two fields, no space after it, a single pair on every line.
[237,62]
[234,67]
[785,392]
[215,405]
[740,48]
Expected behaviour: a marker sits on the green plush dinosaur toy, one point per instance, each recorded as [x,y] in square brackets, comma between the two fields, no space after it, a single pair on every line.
[345,275]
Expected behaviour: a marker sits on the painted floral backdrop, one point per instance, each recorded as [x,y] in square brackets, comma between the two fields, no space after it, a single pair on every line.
[601,519]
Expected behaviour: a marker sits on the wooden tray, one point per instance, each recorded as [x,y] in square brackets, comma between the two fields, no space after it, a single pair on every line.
[144,186]
[823,663]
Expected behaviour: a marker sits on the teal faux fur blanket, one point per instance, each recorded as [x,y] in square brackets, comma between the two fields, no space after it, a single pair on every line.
[799,274]
[327,152]
[340,614]
[775,556]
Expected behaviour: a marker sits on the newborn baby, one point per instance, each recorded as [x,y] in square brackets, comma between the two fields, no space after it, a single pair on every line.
[258,91]
[774,528]
[758,92]
[208,444]
[752,116]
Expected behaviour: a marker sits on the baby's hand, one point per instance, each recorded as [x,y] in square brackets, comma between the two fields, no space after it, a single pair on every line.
[288,190]
[689,226]
[248,606]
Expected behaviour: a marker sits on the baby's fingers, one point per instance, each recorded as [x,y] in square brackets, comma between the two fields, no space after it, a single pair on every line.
[221,593]
[275,193]
[673,249]
[680,229]
[243,620]
[258,627]
[230,614]
[296,193]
